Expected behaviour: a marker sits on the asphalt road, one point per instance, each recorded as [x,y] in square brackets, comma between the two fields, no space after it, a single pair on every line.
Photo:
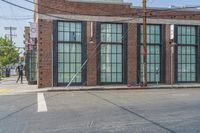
[137,111]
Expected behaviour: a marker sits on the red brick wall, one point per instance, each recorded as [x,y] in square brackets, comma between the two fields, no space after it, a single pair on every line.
[92,56]
[111,9]
[132,54]
[45,30]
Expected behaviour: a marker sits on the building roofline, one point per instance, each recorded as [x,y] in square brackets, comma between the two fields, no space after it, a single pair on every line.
[172,9]
[96,2]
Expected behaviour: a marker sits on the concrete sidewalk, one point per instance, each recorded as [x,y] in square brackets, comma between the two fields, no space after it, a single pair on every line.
[123,87]
[9,86]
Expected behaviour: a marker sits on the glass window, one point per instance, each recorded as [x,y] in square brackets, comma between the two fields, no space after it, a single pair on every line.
[69,51]
[186,55]
[111,53]
[153,34]
[154,46]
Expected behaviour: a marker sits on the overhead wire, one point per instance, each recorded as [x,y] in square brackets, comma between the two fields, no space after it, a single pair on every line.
[62,19]
[50,15]
[95,52]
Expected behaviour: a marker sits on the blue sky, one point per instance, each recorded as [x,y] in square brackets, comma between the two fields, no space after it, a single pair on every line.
[10,11]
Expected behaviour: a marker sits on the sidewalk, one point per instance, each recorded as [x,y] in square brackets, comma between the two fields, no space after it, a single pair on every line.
[124,87]
[9,86]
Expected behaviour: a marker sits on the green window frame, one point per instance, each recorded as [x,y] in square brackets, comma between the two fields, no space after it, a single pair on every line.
[186,54]
[69,52]
[111,53]
[154,52]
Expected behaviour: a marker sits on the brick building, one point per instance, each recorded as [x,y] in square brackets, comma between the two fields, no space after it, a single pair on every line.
[101,42]
[30,58]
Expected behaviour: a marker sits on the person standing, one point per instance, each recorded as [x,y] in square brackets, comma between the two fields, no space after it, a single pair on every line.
[20,70]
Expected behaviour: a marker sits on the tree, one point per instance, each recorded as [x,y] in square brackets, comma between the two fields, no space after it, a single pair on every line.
[8,52]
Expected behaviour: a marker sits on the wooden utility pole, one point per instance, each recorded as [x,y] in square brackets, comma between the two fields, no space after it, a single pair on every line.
[145,40]
[11,35]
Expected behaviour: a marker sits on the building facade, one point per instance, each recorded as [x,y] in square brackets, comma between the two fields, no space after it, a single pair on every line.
[30,58]
[101,43]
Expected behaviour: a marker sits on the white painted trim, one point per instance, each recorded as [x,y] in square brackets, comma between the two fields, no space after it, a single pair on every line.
[118,19]
[42,107]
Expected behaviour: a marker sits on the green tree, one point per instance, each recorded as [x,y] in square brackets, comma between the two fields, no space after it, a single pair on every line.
[8,52]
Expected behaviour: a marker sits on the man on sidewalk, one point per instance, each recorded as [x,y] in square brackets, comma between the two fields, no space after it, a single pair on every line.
[20,73]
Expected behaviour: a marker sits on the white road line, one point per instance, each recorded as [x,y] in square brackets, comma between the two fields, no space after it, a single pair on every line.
[42,107]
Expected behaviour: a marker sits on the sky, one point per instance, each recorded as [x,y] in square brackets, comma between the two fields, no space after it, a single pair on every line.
[8,11]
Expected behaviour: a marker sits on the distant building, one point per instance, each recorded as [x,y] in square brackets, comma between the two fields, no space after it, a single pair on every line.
[101,42]
[30,58]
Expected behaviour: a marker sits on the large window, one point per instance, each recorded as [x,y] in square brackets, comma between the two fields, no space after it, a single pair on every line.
[111,53]
[154,46]
[69,52]
[186,53]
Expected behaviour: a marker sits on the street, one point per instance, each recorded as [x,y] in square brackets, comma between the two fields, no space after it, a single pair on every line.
[131,111]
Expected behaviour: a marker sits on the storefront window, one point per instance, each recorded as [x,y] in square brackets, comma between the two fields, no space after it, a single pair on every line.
[154,46]
[69,51]
[111,53]
[186,53]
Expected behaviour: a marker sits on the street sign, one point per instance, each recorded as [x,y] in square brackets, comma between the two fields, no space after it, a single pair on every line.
[33,30]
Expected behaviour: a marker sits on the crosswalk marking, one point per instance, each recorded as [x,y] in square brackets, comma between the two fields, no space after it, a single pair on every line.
[42,107]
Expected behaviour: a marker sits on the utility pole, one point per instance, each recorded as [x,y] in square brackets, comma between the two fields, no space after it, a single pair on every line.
[11,35]
[145,40]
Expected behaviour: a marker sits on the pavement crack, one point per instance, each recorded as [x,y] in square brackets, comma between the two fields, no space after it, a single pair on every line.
[132,112]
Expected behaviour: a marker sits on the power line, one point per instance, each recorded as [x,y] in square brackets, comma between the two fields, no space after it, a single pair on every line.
[62,18]
[16,18]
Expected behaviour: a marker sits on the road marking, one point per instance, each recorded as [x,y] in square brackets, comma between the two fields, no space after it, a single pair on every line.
[42,106]
[5,90]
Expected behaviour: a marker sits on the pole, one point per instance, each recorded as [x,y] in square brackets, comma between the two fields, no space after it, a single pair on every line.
[145,40]
[11,35]
[172,63]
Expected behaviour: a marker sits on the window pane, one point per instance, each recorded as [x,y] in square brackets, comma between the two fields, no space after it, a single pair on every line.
[119,38]
[66,57]
[119,77]
[78,37]
[114,38]
[66,36]
[66,26]
[66,48]
[103,77]
[72,27]
[114,77]
[60,77]
[60,57]
[60,67]
[67,77]
[78,27]
[60,47]
[60,26]
[60,36]
[66,67]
